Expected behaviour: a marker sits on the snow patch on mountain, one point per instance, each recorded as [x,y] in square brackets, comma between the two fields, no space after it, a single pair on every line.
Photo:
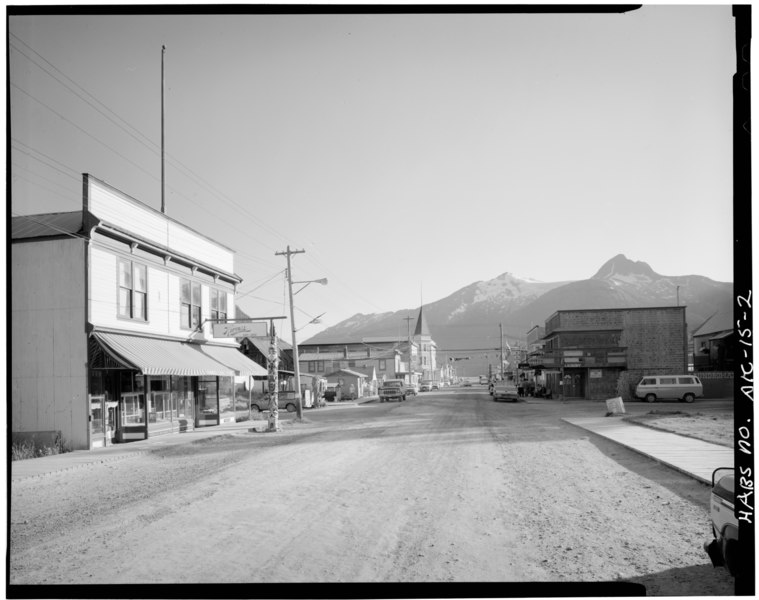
[631,279]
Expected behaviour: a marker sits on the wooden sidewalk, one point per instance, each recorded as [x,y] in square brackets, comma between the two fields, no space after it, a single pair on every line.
[687,455]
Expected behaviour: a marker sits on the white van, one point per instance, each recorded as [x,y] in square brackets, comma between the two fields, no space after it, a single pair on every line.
[685,388]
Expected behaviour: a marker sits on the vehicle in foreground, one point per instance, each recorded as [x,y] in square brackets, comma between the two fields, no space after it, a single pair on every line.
[505,390]
[723,548]
[685,388]
[392,389]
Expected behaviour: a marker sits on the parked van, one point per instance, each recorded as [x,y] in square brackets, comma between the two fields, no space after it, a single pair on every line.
[685,388]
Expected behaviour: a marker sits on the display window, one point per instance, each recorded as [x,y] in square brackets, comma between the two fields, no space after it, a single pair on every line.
[184,398]
[132,408]
[226,399]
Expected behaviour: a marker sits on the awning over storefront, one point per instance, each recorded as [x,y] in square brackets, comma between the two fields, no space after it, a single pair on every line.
[234,359]
[154,356]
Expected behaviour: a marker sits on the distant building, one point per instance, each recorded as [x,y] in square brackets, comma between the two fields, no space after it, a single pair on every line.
[111,328]
[600,353]
[714,343]
[412,358]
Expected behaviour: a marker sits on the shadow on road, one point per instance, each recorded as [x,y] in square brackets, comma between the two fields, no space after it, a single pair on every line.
[670,582]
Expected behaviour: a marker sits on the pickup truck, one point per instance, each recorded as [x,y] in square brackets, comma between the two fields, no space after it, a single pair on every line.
[392,389]
[723,548]
[505,390]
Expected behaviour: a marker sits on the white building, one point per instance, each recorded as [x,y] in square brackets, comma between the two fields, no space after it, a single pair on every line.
[111,324]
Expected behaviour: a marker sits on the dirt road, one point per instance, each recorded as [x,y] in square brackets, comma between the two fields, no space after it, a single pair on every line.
[447,487]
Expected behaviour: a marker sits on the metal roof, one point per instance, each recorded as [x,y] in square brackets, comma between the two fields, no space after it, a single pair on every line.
[47,225]
[718,322]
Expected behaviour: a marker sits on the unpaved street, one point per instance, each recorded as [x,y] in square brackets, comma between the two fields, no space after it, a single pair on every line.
[448,486]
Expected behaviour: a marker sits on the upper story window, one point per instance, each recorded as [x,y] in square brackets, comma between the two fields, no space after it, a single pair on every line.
[218,305]
[133,290]
[191,306]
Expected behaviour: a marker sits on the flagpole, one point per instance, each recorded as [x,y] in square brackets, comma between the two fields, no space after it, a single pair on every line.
[163,150]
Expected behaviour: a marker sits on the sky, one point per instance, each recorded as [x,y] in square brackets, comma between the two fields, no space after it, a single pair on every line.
[407,155]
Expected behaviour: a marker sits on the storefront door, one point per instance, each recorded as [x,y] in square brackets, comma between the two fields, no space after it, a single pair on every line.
[207,402]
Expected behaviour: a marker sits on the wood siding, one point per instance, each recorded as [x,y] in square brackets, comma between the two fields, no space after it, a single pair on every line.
[164,297]
[48,340]
[128,214]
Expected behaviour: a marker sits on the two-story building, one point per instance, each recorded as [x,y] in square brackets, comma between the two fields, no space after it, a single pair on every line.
[111,324]
[412,358]
[601,353]
[374,358]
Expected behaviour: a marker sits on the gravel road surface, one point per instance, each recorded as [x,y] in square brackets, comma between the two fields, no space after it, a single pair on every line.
[447,487]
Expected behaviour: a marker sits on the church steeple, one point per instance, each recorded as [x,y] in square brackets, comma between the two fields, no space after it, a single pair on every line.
[421,325]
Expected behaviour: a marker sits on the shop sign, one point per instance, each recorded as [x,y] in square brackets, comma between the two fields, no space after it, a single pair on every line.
[230,330]
[596,373]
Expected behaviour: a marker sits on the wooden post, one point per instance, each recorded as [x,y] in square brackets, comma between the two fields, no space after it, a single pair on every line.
[272,364]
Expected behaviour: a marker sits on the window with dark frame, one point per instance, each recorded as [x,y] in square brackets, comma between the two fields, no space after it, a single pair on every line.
[191,305]
[133,291]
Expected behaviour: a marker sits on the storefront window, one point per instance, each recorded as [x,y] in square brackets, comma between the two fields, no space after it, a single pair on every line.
[133,409]
[242,397]
[161,403]
[226,397]
[184,398]
[132,398]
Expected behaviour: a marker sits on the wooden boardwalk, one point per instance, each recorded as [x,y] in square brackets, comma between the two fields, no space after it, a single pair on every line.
[687,455]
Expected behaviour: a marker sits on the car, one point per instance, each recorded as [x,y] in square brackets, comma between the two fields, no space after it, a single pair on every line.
[284,402]
[723,547]
[505,390]
[467,383]
[392,389]
[330,392]
[425,385]
[410,391]
[435,385]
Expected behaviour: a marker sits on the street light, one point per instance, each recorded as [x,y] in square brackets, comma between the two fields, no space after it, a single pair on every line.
[296,360]
[322,281]
[314,321]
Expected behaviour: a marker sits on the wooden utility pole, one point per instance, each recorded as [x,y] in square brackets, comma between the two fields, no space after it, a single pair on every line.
[408,331]
[500,325]
[296,366]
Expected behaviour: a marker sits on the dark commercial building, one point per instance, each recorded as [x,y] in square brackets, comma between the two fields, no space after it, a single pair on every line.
[598,354]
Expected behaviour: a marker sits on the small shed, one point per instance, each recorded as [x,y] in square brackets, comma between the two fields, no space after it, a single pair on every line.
[351,383]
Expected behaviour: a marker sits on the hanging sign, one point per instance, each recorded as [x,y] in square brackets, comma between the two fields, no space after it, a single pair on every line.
[231,330]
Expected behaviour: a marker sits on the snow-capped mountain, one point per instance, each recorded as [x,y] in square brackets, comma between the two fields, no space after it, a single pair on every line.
[470,317]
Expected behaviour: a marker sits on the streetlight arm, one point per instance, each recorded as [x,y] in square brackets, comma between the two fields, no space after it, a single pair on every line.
[321,281]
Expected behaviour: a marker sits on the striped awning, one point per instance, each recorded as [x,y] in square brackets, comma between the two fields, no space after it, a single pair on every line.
[234,359]
[153,356]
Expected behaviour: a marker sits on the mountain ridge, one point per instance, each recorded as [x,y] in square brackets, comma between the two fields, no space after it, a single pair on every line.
[470,317]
